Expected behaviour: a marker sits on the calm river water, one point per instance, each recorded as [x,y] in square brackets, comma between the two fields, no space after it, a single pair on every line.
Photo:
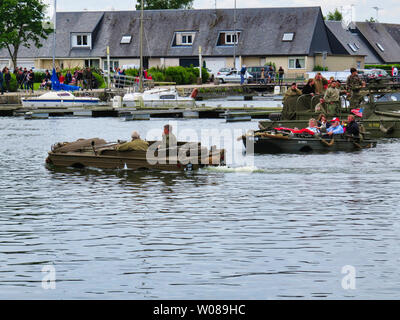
[285,226]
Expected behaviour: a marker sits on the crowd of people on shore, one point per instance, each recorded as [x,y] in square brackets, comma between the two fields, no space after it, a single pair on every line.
[25,78]
[81,77]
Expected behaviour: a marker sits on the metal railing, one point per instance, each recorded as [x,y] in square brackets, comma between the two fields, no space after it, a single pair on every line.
[121,81]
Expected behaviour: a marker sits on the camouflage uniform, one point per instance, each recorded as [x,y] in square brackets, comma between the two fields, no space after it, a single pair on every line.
[332,100]
[291,92]
[354,83]
[134,145]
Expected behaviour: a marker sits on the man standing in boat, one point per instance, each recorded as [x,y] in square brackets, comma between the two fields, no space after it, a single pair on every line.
[168,138]
[354,84]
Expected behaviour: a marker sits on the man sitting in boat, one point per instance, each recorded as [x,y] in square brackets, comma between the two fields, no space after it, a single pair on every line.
[312,126]
[136,144]
[335,127]
[168,138]
[352,128]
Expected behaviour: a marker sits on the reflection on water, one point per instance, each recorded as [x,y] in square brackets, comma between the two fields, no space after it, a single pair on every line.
[281,228]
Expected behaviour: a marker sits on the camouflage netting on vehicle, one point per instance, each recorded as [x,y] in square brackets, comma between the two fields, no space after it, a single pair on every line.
[78,145]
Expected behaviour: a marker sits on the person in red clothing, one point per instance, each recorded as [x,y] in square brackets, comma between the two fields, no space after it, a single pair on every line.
[61,78]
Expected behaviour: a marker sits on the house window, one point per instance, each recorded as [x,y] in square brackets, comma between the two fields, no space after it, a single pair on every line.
[184,38]
[358,64]
[352,47]
[297,63]
[380,47]
[231,38]
[114,64]
[126,39]
[81,40]
[288,36]
[187,39]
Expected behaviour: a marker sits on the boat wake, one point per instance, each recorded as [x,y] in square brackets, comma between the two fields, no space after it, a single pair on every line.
[245,169]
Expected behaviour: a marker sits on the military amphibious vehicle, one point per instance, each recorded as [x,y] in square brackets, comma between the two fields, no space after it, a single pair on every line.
[380,108]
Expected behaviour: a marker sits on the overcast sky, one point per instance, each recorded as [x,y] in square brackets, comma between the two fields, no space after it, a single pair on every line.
[389,10]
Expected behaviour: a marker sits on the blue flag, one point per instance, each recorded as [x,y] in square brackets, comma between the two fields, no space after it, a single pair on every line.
[57,86]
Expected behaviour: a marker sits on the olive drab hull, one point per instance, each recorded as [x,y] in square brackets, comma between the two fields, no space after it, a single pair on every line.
[272,143]
[97,153]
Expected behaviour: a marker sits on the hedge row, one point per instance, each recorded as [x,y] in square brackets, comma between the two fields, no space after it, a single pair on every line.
[386,67]
[179,75]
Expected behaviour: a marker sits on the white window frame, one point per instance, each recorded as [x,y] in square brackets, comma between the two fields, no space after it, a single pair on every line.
[296,58]
[380,47]
[288,36]
[75,37]
[233,36]
[352,47]
[114,63]
[182,38]
[126,39]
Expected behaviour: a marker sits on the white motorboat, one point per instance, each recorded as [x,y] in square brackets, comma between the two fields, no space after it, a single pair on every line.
[159,97]
[59,99]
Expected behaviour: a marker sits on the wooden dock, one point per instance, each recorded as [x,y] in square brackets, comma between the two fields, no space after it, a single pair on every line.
[202,112]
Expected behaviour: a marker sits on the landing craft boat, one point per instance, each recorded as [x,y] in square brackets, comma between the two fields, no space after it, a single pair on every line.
[380,114]
[98,153]
[285,141]
[59,99]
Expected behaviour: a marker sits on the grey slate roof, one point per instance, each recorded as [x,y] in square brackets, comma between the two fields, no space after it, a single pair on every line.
[346,37]
[261,32]
[377,33]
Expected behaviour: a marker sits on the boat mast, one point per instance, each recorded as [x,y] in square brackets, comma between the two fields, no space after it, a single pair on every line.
[141,47]
[54,33]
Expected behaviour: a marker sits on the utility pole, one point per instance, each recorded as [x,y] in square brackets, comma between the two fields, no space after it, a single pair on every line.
[54,33]
[234,37]
[141,47]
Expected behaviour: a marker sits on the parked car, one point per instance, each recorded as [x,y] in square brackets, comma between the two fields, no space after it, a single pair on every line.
[234,76]
[371,74]
[223,71]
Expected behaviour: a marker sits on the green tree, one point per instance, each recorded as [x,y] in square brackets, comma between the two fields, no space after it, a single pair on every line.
[22,24]
[335,16]
[165,4]
[370,20]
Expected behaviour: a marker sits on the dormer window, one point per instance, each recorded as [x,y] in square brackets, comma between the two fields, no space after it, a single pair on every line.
[126,39]
[228,38]
[81,40]
[288,36]
[184,38]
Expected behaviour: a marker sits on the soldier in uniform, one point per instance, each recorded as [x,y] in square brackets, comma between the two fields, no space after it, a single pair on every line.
[354,84]
[331,101]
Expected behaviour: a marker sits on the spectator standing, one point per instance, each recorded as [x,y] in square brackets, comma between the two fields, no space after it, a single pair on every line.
[395,73]
[30,79]
[7,78]
[281,72]
[68,77]
[88,78]
[242,74]
[1,82]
